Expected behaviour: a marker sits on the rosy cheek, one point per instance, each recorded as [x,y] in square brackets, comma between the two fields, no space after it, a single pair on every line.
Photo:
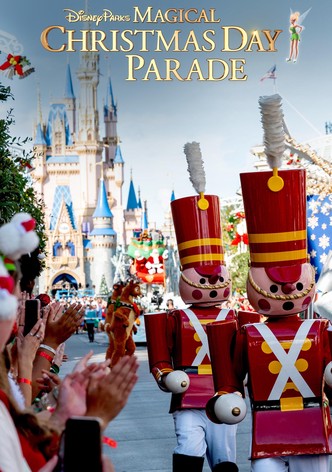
[226,292]
[197,294]
[264,304]
[306,303]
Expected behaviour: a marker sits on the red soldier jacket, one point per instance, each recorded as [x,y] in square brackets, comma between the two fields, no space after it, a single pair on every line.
[178,341]
[285,360]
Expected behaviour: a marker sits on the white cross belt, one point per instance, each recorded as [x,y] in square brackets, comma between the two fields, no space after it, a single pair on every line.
[287,361]
[204,350]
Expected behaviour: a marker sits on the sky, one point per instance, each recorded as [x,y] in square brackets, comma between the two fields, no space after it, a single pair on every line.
[157,117]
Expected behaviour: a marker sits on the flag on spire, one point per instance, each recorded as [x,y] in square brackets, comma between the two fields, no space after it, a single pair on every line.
[270,74]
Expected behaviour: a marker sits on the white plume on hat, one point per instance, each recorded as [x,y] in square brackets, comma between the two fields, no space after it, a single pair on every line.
[195,166]
[274,134]
[18,236]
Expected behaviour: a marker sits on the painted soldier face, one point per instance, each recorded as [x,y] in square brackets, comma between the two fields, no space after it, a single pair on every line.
[205,286]
[281,291]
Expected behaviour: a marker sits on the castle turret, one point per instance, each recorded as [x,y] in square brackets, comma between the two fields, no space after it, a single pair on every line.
[139,201]
[110,119]
[144,220]
[132,200]
[132,214]
[88,118]
[70,102]
[89,147]
[117,206]
[118,168]
[103,240]
[39,172]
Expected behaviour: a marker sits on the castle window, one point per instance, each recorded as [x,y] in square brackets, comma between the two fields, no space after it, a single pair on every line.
[71,247]
[57,249]
[58,142]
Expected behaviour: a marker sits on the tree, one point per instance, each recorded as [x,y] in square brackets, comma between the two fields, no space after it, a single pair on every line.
[238,268]
[103,290]
[16,191]
[237,262]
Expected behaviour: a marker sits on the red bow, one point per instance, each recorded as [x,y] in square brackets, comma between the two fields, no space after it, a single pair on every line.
[13,61]
[240,238]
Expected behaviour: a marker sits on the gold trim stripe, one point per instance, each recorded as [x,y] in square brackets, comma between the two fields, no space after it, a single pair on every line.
[277,237]
[202,258]
[278,256]
[205,369]
[161,372]
[200,242]
[291,404]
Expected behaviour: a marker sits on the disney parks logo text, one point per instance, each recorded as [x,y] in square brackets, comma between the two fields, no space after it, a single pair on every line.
[74,16]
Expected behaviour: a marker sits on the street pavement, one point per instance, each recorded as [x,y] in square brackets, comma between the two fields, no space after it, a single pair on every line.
[144,429]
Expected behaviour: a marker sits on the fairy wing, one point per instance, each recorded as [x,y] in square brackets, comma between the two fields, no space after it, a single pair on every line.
[302,17]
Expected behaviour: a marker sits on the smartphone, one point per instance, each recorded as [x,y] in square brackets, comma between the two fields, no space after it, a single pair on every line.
[82,449]
[32,314]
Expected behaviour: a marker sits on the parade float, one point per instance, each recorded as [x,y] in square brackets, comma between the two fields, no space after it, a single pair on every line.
[148,252]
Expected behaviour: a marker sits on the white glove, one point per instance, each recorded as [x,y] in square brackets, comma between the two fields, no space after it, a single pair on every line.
[230,408]
[328,374]
[177,381]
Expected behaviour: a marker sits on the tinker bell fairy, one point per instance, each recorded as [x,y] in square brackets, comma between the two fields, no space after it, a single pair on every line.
[295,29]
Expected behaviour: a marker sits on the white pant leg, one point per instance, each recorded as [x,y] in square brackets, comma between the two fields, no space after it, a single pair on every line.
[270,464]
[312,463]
[305,463]
[197,435]
[221,442]
[190,433]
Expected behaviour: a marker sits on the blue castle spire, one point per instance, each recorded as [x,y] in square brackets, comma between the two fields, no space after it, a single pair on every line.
[172,196]
[144,221]
[40,138]
[69,90]
[118,159]
[139,201]
[132,200]
[110,102]
[102,216]
[102,209]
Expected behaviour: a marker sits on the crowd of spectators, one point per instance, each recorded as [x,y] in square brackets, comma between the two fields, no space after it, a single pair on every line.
[36,403]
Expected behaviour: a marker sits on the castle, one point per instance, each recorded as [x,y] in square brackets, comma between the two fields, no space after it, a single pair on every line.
[80,176]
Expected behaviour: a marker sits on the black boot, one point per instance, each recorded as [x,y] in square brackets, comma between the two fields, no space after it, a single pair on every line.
[225,467]
[183,463]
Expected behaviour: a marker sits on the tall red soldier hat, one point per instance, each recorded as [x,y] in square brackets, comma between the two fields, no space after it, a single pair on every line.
[276,220]
[198,232]
[275,203]
[197,220]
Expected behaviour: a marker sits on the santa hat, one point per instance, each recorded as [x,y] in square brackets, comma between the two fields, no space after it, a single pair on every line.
[18,236]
